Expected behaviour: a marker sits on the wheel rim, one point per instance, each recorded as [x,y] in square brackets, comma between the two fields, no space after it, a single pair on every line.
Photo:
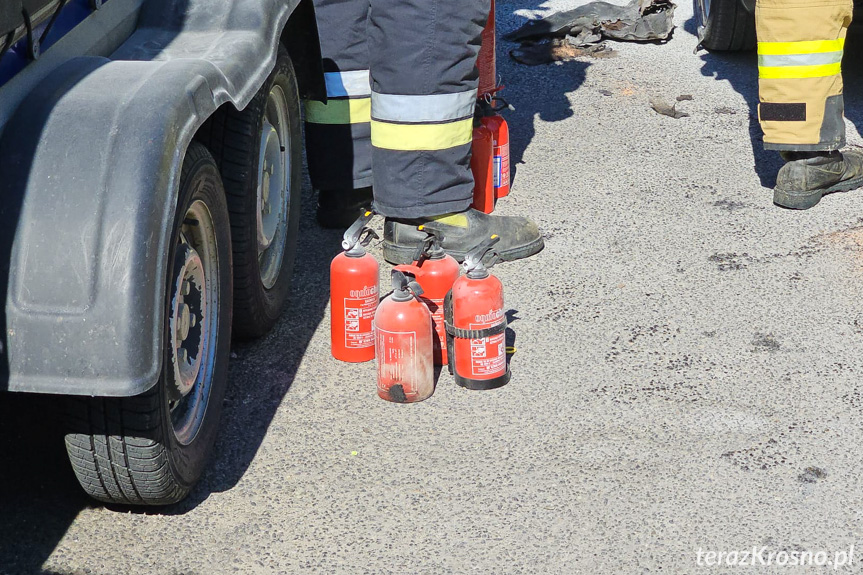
[274,187]
[193,322]
[702,13]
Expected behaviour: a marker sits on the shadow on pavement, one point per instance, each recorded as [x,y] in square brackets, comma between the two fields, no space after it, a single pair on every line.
[39,496]
[740,69]
[548,104]
[852,64]
[264,370]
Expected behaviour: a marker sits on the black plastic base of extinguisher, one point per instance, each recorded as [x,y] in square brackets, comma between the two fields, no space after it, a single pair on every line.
[483,384]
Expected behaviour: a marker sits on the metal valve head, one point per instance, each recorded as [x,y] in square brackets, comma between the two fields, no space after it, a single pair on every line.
[404,288]
[474,263]
[358,235]
[432,245]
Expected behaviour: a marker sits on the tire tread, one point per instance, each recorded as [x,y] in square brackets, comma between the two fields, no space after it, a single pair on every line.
[230,135]
[730,27]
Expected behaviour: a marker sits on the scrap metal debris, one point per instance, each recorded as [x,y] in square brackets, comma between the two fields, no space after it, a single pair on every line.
[581,31]
[671,111]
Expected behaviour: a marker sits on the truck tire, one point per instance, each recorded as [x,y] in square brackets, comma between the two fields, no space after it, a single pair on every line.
[259,151]
[151,449]
[724,25]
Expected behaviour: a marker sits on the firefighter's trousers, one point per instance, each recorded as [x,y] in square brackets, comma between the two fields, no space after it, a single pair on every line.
[800,47]
[401,84]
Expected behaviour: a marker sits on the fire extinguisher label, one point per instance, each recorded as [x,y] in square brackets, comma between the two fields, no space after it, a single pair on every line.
[488,354]
[396,353]
[359,313]
[501,165]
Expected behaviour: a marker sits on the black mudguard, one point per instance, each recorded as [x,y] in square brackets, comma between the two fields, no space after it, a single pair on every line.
[89,168]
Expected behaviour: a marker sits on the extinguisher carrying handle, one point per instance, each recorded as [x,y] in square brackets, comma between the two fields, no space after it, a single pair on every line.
[503,105]
[402,284]
[473,259]
[358,234]
[433,242]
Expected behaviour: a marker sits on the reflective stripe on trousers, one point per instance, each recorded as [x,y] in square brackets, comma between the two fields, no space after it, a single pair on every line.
[800,49]
[422,122]
[338,142]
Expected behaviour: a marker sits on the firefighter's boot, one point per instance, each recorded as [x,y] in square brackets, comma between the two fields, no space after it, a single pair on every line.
[338,209]
[462,231]
[809,175]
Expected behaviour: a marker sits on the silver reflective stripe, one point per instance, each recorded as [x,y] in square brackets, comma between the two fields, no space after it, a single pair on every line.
[423,109]
[801,59]
[348,84]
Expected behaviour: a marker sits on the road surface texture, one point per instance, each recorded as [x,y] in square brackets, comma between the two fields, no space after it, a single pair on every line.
[688,373]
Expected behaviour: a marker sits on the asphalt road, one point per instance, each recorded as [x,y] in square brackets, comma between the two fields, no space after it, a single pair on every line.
[687,375]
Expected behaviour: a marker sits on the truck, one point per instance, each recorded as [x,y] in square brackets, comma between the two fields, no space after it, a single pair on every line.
[150,176]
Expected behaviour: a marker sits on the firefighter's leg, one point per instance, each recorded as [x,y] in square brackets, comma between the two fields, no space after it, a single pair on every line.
[800,48]
[338,142]
[424,86]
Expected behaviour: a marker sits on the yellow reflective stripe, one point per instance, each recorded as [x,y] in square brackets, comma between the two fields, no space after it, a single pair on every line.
[412,137]
[797,72]
[809,47]
[353,111]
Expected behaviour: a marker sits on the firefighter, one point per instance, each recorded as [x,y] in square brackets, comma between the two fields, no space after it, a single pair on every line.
[402,84]
[800,47]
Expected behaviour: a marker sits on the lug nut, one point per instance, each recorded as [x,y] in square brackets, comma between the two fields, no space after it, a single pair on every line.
[183,322]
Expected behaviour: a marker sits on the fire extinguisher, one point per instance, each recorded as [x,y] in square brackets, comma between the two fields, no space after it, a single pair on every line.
[499,129]
[482,166]
[476,324]
[436,272]
[487,56]
[354,289]
[403,343]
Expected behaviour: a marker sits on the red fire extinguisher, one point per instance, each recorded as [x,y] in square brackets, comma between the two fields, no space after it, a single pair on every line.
[476,324]
[500,149]
[487,57]
[436,272]
[482,166]
[403,343]
[354,288]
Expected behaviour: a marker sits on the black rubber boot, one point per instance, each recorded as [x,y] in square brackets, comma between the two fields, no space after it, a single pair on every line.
[808,176]
[338,209]
[463,231]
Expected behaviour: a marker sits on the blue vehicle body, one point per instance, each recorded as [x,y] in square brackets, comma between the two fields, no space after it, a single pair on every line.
[69,15]
[92,136]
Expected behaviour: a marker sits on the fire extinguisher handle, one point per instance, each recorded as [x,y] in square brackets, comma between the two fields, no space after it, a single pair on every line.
[432,245]
[504,105]
[402,285]
[473,259]
[358,232]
